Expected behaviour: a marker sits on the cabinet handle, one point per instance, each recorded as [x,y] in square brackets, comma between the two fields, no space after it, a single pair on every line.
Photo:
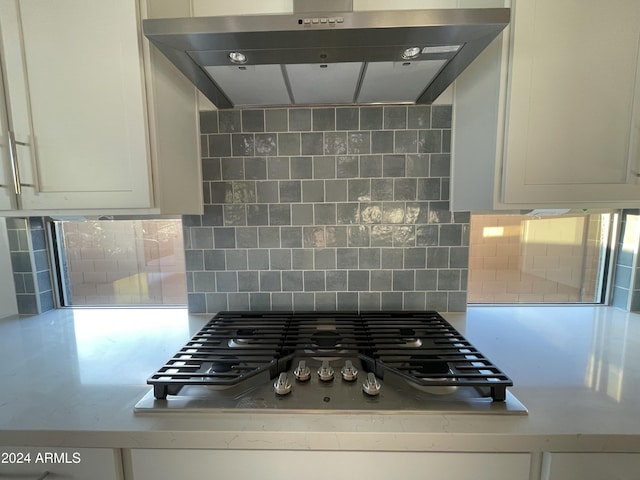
[15,167]
[13,155]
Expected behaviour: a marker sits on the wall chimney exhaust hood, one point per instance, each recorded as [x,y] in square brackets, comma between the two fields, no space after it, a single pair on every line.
[335,57]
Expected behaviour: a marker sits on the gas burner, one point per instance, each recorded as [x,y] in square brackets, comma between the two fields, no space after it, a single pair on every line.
[427,368]
[216,368]
[222,365]
[408,336]
[326,340]
[244,336]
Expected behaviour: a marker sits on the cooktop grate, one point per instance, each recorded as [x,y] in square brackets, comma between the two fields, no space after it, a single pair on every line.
[421,347]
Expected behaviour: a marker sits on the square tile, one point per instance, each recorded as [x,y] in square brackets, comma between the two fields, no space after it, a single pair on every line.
[347,118]
[280,259]
[301,167]
[312,143]
[359,142]
[324,119]
[302,259]
[270,281]
[325,213]
[324,167]
[279,214]
[314,281]
[277,168]
[312,191]
[253,120]
[336,280]
[267,192]
[291,237]
[266,144]
[382,141]
[269,237]
[370,118]
[276,120]
[299,119]
[248,282]
[358,281]
[292,281]
[226,282]
[325,258]
[289,144]
[335,143]
[403,280]
[229,121]
[347,166]
[258,259]
[242,144]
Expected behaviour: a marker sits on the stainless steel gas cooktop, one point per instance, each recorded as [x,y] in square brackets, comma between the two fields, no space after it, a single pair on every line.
[330,362]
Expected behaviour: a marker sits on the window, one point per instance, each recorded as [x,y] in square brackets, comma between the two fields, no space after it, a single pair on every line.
[539,259]
[121,262]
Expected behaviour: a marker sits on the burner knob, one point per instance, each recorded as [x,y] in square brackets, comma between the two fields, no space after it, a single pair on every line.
[282,385]
[302,372]
[371,386]
[349,372]
[325,372]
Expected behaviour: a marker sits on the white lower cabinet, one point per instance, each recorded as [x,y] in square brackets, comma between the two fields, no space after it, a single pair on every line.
[591,466]
[31,463]
[312,465]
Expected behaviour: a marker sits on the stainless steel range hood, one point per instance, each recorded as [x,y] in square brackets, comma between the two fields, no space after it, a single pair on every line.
[404,56]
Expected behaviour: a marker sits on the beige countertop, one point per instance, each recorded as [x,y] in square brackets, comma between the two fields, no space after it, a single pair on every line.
[72,377]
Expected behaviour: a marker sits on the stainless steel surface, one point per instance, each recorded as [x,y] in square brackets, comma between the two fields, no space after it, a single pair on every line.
[306,6]
[326,58]
[13,156]
[15,166]
[396,395]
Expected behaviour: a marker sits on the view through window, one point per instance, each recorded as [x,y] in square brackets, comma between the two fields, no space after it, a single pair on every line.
[121,262]
[538,259]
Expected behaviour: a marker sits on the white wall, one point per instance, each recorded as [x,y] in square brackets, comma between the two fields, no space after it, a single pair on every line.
[8,305]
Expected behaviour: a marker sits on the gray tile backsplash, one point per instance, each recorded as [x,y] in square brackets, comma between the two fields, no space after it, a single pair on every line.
[325,208]
[30,264]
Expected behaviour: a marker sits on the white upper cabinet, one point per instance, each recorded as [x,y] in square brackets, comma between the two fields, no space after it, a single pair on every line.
[77,100]
[564,130]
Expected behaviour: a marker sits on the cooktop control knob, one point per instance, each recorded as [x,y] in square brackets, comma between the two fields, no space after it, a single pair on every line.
[282,385]
[349,372]
[371,386]
[302,372]
[325,372]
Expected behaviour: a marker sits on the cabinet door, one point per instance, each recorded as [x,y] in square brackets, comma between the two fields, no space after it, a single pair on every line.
[67,463]
[574,98]
[270,464]
[590,466]
[74,81]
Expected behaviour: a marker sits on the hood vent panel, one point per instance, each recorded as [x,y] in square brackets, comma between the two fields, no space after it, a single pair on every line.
[408,56]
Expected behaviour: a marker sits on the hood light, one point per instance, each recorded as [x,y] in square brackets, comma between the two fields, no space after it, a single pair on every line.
[237,57]
[411,53]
